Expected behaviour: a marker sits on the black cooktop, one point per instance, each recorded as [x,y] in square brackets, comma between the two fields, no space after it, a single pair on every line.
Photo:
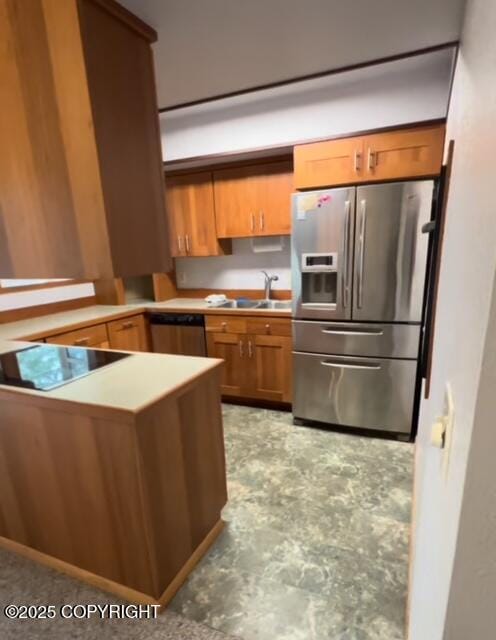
[46,366]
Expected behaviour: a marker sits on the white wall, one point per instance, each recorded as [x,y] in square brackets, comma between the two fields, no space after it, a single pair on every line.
[467,275]
[394,93]
[21,299]
[238,271]
[211,47]
[471,611]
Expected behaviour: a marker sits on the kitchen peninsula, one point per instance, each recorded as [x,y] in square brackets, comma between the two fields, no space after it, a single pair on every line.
[117,478]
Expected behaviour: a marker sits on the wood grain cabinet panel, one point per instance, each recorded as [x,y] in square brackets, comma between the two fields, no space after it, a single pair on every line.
[191,214]
[253,200]
[95,336]
[391,155]
[332,162]
[271,368]
[230,347]
[129,334]
[257,356]
[81,161]
[404,154]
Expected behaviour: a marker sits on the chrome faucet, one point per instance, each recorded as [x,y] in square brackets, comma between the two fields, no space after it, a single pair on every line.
[268,283]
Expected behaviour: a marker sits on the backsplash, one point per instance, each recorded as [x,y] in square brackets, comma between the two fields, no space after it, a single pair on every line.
[241,270]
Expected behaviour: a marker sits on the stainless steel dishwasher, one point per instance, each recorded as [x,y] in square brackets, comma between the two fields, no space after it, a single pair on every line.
[179,333]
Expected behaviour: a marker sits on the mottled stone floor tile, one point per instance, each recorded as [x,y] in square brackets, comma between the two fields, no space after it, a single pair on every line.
[316,540]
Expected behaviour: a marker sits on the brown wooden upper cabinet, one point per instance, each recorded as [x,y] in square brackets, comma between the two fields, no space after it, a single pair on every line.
[191,213]
[405,153]
[253,200]
[81,166]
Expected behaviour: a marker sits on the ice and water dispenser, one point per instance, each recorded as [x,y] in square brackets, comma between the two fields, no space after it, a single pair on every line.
[319,273]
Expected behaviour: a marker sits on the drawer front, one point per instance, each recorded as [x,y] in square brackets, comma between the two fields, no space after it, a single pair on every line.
[357,339]
[134,322]
[225,324]
[367,393]
[87,337]
[269,326]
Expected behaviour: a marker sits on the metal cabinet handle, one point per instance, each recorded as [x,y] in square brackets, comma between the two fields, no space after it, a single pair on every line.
[81,341]
[186,237]
[180,244]
[335,365]
[371,159]
[262,221]
[252,223]
[361,251]
[250,349]
[357,161]
[241,350]
[223,325]
[346,240]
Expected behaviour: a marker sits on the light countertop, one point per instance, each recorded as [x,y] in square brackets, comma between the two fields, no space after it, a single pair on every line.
[55,323]
[128,385]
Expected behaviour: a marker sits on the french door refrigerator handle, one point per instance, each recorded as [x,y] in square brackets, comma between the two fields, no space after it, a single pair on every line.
[336,365]
[361,253]
[346,240]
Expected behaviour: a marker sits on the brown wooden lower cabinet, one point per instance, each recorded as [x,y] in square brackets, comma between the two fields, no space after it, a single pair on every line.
[129,334]
[95,336]
[256,365]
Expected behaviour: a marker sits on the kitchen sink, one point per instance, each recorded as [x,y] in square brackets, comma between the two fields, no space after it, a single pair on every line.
[239,304]
[255,304]
[274,304]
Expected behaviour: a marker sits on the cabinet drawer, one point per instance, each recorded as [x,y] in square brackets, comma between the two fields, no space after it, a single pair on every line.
[126,323]
[269,326]
[225,324]
[88,337]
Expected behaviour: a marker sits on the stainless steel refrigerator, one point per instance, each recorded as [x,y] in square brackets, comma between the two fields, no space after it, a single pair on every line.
[358,269]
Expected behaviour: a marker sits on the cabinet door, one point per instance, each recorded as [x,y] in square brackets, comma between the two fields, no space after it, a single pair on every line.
[231,348]
[406,153]
[270,368]
[95,336]
[328,163]
[129,334]
[191,212]
[237,201]
[273,216]
[177,207]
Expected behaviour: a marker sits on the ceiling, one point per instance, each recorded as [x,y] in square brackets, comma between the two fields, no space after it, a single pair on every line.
[211,47]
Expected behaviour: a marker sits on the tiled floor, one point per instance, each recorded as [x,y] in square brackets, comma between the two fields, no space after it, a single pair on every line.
[316,542]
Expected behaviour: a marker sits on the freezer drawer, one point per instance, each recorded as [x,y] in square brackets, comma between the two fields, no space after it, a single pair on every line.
[357,339]
[368,393]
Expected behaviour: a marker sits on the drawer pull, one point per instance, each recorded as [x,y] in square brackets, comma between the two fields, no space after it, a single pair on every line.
[81,341]
[353,332]
[335,365]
